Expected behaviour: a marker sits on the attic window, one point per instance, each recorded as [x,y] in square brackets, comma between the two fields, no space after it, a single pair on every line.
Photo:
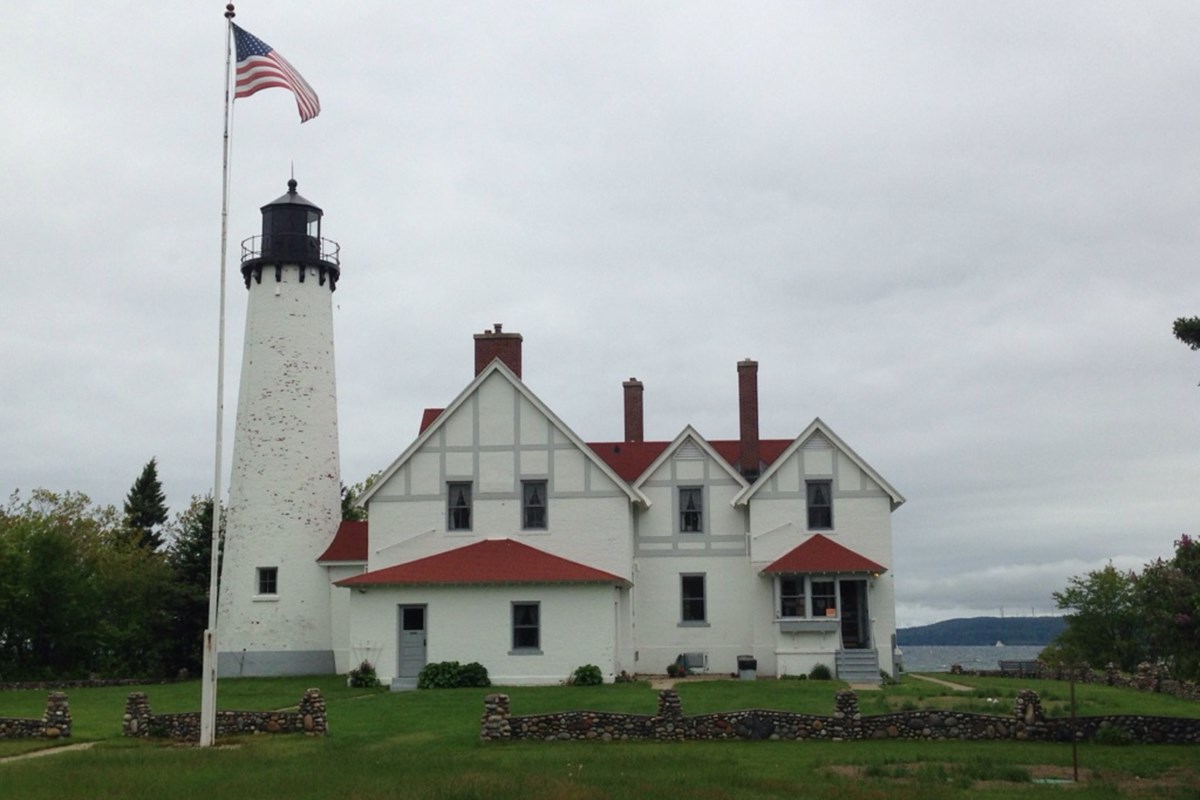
[691,505]
[458,512]
[533,505]
[820,505]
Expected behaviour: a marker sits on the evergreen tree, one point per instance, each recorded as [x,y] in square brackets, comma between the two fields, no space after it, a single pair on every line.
[350,509]
[190,558]
[146,507]
[1187,330]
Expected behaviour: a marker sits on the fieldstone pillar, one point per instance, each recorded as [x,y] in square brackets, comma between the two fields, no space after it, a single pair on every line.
[495,726]
[312,713]
[56,721]
[136,721]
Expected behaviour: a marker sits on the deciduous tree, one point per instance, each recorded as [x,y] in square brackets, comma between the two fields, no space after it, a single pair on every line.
[1104,623]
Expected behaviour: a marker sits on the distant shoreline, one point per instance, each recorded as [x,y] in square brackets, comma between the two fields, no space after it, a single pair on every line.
[983,631]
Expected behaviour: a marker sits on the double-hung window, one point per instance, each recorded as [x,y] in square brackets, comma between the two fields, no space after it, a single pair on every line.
[820,505]
[458,506]
[692,599]
[526,628]
[691,513]
[533,505]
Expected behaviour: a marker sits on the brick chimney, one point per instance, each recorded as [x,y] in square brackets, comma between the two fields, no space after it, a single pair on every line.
[494,344]
[748,463]
[634,431]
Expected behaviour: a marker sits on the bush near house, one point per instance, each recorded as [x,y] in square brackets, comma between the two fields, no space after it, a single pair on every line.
[587,675]
[364,677]
[452,675]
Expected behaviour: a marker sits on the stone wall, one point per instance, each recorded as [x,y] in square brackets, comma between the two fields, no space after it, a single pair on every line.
[1027,722]
[55,722]
[140,721]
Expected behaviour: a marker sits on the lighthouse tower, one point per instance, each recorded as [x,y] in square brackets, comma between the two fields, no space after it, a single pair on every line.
[285,487]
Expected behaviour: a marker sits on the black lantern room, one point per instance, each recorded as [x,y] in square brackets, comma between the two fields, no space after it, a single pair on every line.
[291,235]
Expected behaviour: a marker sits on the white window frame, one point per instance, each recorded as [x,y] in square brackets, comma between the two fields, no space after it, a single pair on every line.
[266,578]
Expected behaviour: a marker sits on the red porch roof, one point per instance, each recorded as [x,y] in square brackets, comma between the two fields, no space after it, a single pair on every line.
[489,561]
[821,554]
[349,543]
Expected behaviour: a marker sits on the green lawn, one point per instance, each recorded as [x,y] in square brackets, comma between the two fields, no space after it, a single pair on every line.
[426,745]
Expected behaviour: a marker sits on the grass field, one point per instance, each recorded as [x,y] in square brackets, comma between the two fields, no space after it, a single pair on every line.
[426,745]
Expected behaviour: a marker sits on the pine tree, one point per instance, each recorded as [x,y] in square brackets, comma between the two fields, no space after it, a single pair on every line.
[146,507]
[190,557]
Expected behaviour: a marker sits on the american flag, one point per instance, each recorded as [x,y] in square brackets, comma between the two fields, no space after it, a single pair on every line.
[259,66]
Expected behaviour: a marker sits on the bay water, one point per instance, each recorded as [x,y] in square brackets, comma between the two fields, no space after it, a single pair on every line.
[939,658]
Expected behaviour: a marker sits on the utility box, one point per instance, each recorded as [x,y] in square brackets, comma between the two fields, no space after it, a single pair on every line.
[747,668]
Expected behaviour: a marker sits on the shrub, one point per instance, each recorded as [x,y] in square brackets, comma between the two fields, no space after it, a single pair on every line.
[364,676]
[452,675]
[473,674]
[820,673]
[587,675]
[624,677]
[677,670]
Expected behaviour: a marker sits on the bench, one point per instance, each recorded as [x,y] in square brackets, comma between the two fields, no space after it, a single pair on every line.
[1018,668]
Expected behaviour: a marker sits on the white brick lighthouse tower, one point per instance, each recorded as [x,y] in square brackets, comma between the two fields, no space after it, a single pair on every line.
[285,487]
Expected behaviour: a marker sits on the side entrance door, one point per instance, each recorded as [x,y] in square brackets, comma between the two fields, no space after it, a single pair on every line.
[412,641]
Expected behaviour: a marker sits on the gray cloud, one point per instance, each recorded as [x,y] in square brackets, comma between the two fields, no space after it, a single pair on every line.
[959,234]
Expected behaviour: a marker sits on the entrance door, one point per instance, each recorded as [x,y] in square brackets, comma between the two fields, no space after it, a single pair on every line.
[856,631]
[412,641]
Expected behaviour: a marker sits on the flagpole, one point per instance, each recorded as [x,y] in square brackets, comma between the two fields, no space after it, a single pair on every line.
[208,686]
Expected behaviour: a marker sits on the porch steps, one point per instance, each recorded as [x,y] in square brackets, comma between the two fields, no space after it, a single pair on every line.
[403,684]
[858,666]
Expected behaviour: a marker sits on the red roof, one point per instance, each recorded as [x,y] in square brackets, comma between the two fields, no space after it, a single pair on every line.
[822,554]
[630,459]
[428,417]
[489,561]
[349,543]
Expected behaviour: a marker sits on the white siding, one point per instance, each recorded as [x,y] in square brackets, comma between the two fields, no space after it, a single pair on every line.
[578,625]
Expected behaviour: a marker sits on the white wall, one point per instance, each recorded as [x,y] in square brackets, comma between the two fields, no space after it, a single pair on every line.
[284,491]
[578,626]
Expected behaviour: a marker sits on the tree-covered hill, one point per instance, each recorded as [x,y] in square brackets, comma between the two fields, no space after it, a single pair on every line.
[983,631]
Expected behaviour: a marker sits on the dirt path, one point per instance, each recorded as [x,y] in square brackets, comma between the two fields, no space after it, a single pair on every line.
[958,687]
[49,751]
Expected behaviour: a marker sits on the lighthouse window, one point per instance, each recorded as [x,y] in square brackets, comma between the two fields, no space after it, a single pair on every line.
[268,580]
[458,512]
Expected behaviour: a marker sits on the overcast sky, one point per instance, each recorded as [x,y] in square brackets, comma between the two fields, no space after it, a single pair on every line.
[958,232]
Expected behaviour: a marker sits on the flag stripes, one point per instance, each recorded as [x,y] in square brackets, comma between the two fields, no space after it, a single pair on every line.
[259,66]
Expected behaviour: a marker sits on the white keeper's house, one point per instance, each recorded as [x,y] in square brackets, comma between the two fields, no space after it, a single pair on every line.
[500,536]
